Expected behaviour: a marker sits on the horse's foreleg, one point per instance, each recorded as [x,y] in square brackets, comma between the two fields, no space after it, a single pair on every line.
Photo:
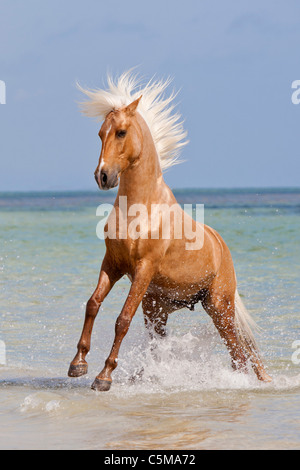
[138,289]
[108,277]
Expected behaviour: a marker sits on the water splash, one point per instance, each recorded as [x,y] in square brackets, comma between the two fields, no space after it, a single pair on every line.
[40,402]
[191,362]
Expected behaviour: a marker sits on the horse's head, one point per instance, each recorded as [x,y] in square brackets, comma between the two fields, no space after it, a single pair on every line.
[121,145]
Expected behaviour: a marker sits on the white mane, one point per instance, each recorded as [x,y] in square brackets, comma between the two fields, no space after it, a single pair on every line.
[166,128]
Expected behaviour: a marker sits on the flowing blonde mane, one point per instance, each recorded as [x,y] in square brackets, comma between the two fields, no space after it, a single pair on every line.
[165,126]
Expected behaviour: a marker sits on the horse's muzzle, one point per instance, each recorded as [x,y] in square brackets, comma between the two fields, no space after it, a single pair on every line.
[107,180]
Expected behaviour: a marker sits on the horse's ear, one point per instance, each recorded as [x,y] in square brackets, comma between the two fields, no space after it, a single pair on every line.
[131,108]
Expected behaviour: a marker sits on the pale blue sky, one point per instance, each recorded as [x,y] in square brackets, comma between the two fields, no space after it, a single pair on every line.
[234,62]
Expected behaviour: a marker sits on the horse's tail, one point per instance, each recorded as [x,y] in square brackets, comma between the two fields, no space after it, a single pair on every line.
[245,325]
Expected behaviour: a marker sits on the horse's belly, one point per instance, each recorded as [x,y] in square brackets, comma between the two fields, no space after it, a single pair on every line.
[179,287]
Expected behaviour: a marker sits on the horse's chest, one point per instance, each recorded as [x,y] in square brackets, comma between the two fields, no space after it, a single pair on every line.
[125,252]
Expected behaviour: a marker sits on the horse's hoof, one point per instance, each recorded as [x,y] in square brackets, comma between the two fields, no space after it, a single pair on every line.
[101,385]
[78,370]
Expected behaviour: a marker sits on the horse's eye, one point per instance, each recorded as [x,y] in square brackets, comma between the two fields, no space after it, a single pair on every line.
[121,134]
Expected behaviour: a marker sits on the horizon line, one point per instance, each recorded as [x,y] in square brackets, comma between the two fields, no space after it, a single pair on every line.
[114,191]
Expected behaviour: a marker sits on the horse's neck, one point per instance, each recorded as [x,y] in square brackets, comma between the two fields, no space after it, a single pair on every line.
[141,182]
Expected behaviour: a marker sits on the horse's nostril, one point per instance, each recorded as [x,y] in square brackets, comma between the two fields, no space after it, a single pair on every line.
[103,178]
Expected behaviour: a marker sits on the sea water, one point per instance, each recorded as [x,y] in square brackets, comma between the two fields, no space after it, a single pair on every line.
[188,397]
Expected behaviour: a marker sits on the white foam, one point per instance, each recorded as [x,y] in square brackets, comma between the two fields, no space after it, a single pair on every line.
[40,401]
[192,362]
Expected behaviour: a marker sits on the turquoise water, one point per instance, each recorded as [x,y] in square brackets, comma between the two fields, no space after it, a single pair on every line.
[189,398]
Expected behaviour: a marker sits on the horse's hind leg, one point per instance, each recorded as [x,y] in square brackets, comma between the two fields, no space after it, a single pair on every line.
[156,312]
[221,306]
[221,309]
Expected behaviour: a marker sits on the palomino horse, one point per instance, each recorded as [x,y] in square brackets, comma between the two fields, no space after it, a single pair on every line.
[141,137]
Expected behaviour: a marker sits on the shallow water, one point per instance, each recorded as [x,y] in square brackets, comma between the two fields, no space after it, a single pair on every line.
[188,397]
